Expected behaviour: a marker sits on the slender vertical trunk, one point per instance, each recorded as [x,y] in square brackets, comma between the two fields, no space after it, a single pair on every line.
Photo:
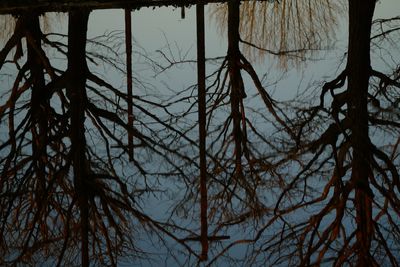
[183,12]
[201,81]
[77,68]
[358,69]
[39,102]
[236,82]
[128,44]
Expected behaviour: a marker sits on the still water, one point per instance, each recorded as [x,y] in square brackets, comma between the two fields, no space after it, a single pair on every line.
[252,163]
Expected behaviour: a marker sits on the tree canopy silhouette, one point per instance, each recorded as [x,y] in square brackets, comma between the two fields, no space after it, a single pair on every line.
[306,182]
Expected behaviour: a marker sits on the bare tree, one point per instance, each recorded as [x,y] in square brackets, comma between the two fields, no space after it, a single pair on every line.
[340,205]
[289,29]
[320,186]
[61,195]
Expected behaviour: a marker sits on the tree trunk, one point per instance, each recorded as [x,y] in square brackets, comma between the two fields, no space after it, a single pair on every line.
[235,77]
[201,81]
[128,45]
[76,92]
[39,101]
[358,69]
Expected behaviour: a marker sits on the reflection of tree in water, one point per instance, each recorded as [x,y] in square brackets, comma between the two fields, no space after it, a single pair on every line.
[287,28]
[64,189]
[318,187]
[349,216]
